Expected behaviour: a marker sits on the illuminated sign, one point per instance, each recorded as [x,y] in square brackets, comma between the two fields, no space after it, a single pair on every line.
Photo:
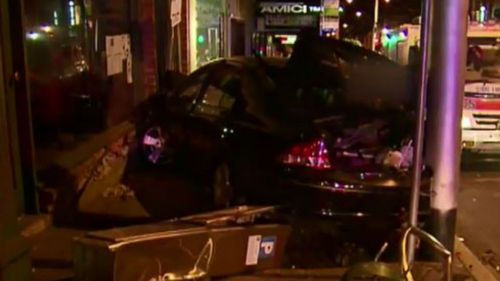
[289,20]
[288,8]
[482,88]
[287,39]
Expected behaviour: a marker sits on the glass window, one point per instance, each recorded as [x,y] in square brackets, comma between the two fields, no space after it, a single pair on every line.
[193,88]
[223,90]
[313,95]
[73,93]
[207,37]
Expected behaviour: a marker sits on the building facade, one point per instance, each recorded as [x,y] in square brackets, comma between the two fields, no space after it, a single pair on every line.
[82,67]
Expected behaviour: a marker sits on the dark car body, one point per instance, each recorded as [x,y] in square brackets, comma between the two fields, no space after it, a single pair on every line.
[255,114]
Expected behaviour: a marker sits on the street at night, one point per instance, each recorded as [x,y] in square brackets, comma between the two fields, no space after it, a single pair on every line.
[154,140]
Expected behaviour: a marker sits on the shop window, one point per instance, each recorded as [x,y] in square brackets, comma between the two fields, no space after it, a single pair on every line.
[73,95]
[209,14]
[222,92]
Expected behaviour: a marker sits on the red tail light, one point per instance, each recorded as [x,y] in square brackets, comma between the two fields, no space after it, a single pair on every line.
[313,154]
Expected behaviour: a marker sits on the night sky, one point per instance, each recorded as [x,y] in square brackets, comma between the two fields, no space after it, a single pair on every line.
[394,13]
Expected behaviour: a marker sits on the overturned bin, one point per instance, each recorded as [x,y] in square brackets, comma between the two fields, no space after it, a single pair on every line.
[216,244]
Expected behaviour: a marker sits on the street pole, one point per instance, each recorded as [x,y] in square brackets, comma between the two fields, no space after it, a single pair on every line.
[419,134]
[375,24]
[447,75]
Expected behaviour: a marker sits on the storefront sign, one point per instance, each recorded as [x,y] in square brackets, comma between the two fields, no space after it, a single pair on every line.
[288,8]
[290,21]
[175,12]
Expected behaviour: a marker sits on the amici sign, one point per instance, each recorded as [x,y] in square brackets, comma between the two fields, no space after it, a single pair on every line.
[288,8]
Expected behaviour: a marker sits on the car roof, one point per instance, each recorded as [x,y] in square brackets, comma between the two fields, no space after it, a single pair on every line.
[254,61]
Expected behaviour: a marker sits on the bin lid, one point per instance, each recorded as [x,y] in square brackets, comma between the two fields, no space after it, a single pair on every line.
[237,215]
[187,225]
[146,232]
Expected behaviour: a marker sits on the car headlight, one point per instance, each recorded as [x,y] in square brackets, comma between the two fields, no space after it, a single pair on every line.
[466,123]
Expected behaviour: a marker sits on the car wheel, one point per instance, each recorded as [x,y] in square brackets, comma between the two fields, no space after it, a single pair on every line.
[154,145]
[222,188]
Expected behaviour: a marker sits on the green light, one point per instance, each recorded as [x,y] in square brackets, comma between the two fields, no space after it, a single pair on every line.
[394,39]
[201,39]
[482,14]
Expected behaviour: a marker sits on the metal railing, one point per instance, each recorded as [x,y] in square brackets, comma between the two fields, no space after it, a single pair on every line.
[404,272]
[406,265]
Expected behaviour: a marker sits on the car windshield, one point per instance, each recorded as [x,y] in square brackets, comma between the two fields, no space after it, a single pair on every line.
[334,88]
[311,98]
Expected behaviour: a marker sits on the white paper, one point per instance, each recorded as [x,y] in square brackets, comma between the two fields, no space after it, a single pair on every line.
[114,65]
[175,12]
[127,56]
[129,70]
[253,249]
[109,45]
[117,50]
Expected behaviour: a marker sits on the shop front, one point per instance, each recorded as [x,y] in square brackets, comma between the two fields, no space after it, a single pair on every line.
[279,23]
[79,67]
[217,28]
[82,66]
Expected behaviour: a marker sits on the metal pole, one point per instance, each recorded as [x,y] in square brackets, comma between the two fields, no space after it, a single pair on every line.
[375,23]
[446,80]
[419,134]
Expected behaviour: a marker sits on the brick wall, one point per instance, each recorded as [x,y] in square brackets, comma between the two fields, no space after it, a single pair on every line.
[184,30]
[148,40]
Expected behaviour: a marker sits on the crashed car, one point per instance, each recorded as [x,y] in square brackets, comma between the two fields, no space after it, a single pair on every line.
[327,131]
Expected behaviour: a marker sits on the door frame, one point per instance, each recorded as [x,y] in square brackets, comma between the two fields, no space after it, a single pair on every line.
[17,106]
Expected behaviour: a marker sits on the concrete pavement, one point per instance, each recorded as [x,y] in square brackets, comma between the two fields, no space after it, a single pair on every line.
[478,216]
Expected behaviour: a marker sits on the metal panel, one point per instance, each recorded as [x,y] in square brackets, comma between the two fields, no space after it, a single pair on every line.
[214,244]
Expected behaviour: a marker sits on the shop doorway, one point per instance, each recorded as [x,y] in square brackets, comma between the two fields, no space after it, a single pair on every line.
[237,43]
[17,155]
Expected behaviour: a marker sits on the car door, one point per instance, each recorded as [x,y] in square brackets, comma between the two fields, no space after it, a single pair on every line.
[206,124]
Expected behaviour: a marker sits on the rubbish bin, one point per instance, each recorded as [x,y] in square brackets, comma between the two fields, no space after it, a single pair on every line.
[214,244]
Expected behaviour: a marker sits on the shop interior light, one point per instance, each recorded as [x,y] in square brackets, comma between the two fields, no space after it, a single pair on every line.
[287,39]
[345,25]
[33,35]
[482,14]
[349,1]
[72,12]
[394,40]
[56,18]
[46,28]
[341,9]
[359,14]
[201,39]
[78,16]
